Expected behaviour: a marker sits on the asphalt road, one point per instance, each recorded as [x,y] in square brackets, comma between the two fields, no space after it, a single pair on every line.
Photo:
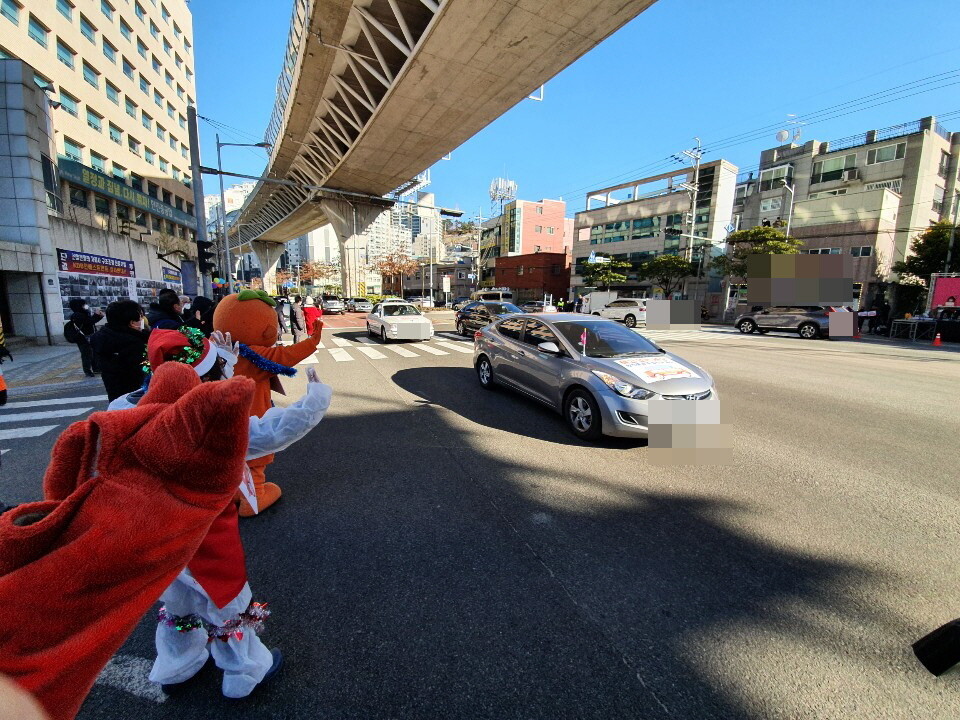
[445,552]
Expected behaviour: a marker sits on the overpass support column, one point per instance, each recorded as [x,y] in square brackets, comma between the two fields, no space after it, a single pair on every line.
[268,254]
[350,220]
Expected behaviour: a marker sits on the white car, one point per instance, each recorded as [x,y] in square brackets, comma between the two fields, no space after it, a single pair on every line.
[630,311]
[398,321]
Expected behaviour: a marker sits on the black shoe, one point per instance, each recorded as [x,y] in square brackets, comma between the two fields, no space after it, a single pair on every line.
[89,374]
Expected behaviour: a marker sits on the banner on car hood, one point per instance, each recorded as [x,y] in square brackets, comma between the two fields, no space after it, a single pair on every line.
[656,369]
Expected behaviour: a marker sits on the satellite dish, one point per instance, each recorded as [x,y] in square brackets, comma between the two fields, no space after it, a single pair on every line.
[783,136]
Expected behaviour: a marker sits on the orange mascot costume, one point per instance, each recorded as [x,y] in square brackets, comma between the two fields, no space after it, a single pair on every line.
[251,319]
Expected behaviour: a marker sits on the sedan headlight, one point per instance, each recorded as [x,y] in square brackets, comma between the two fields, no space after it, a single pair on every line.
[624,388]
[393,328]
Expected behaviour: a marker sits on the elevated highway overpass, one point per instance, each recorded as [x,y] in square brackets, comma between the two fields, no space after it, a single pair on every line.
[372,92]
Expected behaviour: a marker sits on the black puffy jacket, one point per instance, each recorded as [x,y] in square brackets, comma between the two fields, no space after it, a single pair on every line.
[120,353]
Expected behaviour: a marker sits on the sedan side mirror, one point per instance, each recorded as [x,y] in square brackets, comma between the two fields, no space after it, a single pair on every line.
[549,348]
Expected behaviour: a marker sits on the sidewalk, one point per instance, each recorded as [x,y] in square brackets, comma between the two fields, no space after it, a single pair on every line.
[870,339]
[43,365]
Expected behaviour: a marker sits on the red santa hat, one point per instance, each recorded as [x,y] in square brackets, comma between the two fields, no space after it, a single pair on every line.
[186,345]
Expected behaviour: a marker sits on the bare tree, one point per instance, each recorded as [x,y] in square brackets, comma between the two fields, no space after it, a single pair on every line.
[396,266]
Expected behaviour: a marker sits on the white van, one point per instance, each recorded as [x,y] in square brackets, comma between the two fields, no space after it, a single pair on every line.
[493,295]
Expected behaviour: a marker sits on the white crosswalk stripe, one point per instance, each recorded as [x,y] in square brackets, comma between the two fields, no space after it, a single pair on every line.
[17,433]
[27,423]
[340,355]
[309,360]
[365,340]
[372,353]
[50,415]
[452,336]
[402,351]
[54,401]
[340,342]
[432,350]
[457,347]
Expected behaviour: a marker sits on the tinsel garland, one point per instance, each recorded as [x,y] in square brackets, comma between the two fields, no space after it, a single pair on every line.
[263,364]
[251,619]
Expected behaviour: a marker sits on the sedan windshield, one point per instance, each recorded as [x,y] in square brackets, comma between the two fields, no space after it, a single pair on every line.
[502,308]
[395,310]
[605,339]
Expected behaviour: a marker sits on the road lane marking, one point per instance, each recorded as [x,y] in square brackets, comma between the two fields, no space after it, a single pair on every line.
[371,353]
[23,417]
[18,433]
[402,351]
[340,342]
[458,348]
[431,350]
[339,354]
[131,675]
[54,401]
[309,360]
[365,340]
[453,336]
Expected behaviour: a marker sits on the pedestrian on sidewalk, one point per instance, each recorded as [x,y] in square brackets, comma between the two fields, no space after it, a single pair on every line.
[119,348]
[208,609]
[201,315]
[84,322]
[578,305]
[165,313]
[282,310]
[312,313]
[298,320]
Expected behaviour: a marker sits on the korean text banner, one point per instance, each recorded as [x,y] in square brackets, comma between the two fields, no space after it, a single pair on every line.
[78,262]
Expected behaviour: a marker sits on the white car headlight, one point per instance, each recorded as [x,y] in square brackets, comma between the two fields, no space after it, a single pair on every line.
[624,388]
[393,328]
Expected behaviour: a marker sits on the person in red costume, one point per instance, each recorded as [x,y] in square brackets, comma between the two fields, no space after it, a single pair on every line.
[250,318]
[208,609]
[124,511]
[311,314]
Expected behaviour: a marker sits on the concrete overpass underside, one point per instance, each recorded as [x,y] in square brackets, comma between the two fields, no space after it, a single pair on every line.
[375,91]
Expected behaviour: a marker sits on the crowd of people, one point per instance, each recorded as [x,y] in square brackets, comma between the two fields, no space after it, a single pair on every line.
[127,517]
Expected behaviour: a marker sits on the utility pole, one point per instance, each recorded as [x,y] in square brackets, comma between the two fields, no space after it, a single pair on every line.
[196,183]
[694,156]
[953,233]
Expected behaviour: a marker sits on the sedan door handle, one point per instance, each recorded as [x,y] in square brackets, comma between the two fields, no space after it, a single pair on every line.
[521,352]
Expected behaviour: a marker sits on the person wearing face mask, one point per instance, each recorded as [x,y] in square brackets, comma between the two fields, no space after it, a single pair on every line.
[83,322]
[119,348]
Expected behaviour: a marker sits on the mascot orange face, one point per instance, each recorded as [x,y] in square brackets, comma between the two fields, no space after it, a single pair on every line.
[250,317]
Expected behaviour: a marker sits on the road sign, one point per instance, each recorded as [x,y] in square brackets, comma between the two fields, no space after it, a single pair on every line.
[446,283]
[361,288]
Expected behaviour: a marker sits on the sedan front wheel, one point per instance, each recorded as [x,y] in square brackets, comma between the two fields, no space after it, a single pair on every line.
[747,326]
[383,335]
[485,372]
[462,329]
[583,415]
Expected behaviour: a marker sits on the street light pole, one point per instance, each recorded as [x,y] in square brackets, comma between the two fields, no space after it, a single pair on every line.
[790,209]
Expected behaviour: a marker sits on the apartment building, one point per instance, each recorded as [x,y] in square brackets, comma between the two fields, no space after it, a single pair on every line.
[641,219]
[524,227]
[122,74]
[867,195]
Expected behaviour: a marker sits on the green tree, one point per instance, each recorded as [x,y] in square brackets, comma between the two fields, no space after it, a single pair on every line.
[603,275]
[929,252]
[754,241]
[667,271]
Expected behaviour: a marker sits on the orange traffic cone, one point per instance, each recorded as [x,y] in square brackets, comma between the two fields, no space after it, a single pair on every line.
[856,331]
[936,341]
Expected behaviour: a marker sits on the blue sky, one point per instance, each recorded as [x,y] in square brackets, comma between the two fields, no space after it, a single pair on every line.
[684,68]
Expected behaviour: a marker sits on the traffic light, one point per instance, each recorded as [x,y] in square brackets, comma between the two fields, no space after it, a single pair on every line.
[205,256]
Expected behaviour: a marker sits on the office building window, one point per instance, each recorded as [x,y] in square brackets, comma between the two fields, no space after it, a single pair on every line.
[37,31]
[167,47]
[69,103]
[116,134]
[539,209]
[161,133]
[98,162]
[154,30]
[141,48]
[170,112]
[179,92]
[144,86]
[189,75]
[164,165]
[825,251]
[774,178]
[165,14]
[133,145]
[65,54]
[155,63]
[538,228]
[146,120]
[136,182]
[153,190]
[65,9]
[832,169]
[94,120]
[107,9]
[123,212]
[182,121]
[176,31]
[149,155]
[101,205]
[109,52]
[886,153]
[126,30]
[88,30]
[771,204]
[863,251]
[177,60]
[169,79]
[176,173]
[157,225]
[113,93]
[173,143]
[127,68]
[944,167]
[78,197]
[72,149]
[550,230]
[183,150]
[10,10]
[157,99]
[131,108]
[167,196]
[139,11]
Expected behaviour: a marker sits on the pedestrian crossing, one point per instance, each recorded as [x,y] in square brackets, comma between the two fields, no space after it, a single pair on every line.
[31,419]
[702,334]
[349,349]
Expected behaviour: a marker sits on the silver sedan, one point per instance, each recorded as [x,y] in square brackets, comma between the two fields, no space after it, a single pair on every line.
[599,374]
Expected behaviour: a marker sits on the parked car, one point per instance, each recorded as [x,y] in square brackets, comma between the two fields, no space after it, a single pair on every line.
[476,315]
[598,374]
[421,300]
[809,321]
[536,306]
[332,304]
[460,302]
[359,304]
[630,311]
[492,295]
[398,320]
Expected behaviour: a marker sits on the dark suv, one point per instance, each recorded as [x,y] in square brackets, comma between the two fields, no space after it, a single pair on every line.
[479,314]
[809,321]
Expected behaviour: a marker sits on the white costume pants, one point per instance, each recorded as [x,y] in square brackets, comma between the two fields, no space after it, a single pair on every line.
[180,655]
